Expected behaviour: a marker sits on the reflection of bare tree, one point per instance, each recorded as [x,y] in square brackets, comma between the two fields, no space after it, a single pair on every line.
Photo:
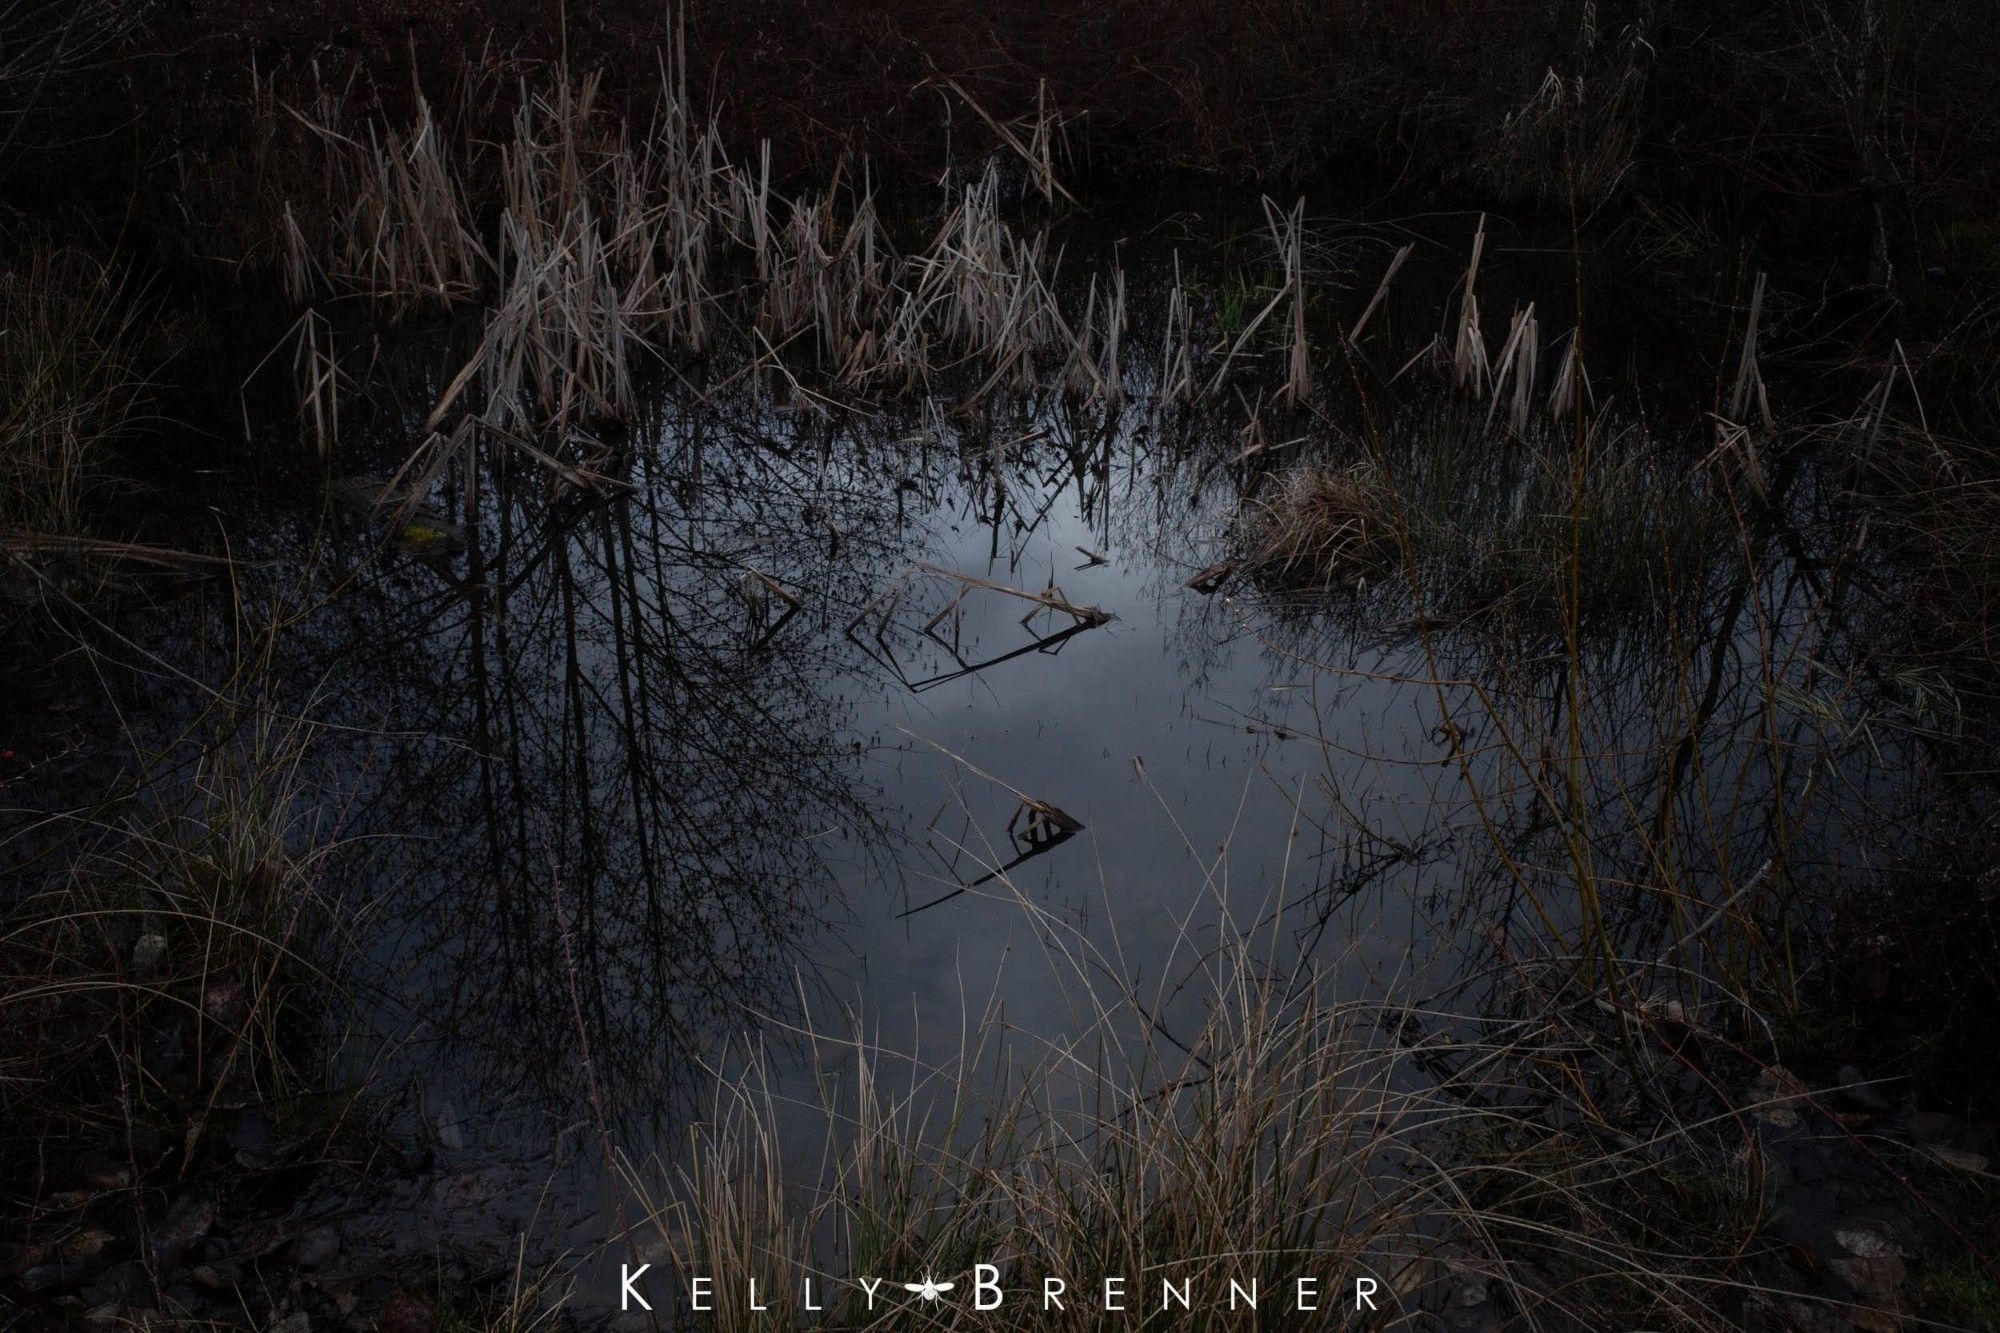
[630,802]
[605,735]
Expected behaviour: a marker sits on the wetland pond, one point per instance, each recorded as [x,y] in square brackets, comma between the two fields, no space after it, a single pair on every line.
[903,722]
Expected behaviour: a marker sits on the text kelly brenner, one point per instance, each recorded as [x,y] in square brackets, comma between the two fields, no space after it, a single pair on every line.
[982,1291]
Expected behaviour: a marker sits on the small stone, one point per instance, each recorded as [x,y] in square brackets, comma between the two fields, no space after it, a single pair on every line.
[1812,1317]
[406,1311]
[1867,1243]
[34,1255]
[295,1322]
[315,1247]
[219,1276]
[1859,1093]
[450,1129]
[86,1244]
[107,1317]
[1877,1275]
[225,1003]
[148,954]
[41,1278]
[1971,1163]
[1774,1098]
[1877,1282]
[186,1222]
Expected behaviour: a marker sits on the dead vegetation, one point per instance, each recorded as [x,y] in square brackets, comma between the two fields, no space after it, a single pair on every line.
[616,238]
[1322,526]
[45,46]
[169,957]
[70,383]
[1485,485]
[599,249]
[1226,1122]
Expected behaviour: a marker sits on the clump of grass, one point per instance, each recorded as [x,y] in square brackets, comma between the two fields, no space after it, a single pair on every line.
[1253,1167]
[1282,1140]
[69,383]
[1486,527]
[164,956]
[524,1300]
[1616,516]
[44,44]
[1958,1291]
[1935,500]
[1233,1121]
[1322,526]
